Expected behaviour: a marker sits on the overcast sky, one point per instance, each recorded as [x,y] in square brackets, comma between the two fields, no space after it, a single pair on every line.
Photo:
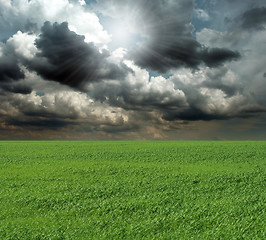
[133,70]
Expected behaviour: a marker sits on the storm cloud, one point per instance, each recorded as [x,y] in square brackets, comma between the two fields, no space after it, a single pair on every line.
[167,31]
[122,69]
[64,57]
[254,18]
[10,70]
[11,73]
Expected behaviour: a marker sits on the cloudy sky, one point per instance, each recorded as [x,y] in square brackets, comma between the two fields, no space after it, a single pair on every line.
[133,70]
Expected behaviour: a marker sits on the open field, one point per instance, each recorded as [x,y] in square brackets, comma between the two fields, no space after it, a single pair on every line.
[132,190]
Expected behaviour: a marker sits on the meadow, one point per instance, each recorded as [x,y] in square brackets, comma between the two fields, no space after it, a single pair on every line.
[132,190]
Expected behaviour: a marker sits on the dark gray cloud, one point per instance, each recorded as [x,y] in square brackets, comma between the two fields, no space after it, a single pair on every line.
[216,56]
[11,73]
[65,57]
[254,18]
[39,123]
[9,68]
[170,41]
[16,88]
[193,114]
[186,53]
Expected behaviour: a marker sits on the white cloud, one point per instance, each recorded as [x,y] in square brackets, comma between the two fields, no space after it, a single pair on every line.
[82,2]
[219,103]
[187,77]
[83,22]
[67,104]
[23,44]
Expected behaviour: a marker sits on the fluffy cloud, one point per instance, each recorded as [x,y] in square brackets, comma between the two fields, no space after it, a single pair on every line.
[23,45]
[140,93]
[27,15]
[58,110]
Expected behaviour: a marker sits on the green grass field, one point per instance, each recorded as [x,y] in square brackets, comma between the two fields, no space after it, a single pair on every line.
[132,190]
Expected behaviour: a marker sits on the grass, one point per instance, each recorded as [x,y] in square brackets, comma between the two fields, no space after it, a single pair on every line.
[132,190]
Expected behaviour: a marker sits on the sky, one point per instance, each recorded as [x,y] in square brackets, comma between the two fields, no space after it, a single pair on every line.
[132,70]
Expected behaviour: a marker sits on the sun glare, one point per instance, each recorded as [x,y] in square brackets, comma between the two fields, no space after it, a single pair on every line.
[121,33]
[124,33]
